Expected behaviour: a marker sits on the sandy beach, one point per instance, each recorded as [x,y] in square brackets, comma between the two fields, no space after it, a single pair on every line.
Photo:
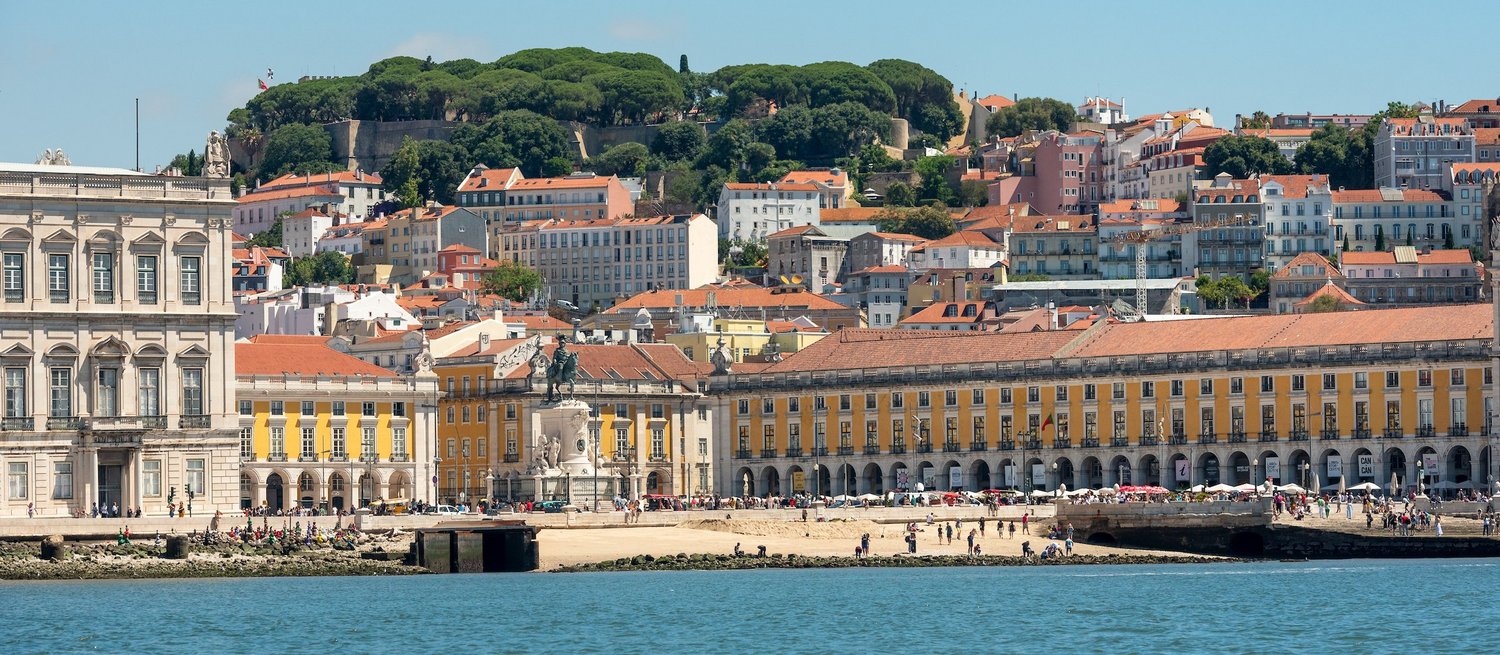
[716,536]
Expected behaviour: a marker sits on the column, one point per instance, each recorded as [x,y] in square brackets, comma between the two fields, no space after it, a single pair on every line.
[642,442]
[89,462]
[134,478]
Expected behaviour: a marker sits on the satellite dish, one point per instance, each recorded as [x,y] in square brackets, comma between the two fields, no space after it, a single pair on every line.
[784,280]
[796,279]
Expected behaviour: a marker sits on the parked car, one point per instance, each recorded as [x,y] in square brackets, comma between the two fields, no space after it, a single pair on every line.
[442,510]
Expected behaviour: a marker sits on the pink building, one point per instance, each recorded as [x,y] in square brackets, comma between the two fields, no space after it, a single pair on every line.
[1067,175]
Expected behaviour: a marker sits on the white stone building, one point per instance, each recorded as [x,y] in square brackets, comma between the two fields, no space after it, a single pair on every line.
[598,261]
[116,332]
[1299,217]
[350,192]
[750,212]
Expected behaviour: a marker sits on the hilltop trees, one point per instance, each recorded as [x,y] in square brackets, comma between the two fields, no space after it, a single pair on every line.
[1031,114]
[1243,156]
[298,148]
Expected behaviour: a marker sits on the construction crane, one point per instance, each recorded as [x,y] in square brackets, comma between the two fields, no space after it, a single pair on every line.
[1143,237]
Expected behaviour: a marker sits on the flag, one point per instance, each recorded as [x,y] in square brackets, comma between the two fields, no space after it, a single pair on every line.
[1047,422]
[262,84]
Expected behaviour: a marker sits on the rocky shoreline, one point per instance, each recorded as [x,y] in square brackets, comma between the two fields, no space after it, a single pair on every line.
[106,561]
[715,562]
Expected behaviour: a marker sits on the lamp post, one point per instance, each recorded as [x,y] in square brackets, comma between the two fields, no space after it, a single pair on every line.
[1254,464]
[436,462]
[1055,479]
[1306,467]
[489,488]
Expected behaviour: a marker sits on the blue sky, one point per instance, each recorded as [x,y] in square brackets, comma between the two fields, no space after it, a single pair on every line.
[73,69]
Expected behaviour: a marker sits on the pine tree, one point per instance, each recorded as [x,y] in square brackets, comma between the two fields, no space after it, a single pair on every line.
[682,65]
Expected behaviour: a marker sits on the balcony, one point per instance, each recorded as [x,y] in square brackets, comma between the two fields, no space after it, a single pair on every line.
[1458,430]
[1392,432]
[820,451]
[276,457]
[1361,433]
[1298,435]
[1208,438]
[1329,435]
[793,452]
[511,458]
[154,422]
[17,423]
[1426,431]
[1007,444]
[1177,439]
[898,449]
[64,423]
[1149,440]
[951,447]
[872,449]
[1237,437]
[1032,444]
[194,421]
[369,459]
[1120,442]
[1090,442]
[1268,436]
[657,457]
[978,445]
[846,450]
[395,459]
[767,453]
[924,447]
[1061,443]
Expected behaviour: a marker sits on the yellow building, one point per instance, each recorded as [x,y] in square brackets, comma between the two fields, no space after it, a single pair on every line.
[651,424]
[1315,399]
[319,428]
[699,336]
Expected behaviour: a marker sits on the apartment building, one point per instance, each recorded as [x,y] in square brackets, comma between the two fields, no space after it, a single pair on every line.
[1299,217]
[751,212]
[1380,219]
[596,262]
[407,242]
[354,193]
[1236,247]
[1410,153]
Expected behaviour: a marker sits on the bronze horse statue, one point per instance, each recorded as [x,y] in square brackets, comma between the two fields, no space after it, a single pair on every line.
[563,369]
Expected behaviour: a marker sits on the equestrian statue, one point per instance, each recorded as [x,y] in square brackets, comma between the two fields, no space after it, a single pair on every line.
[562,370]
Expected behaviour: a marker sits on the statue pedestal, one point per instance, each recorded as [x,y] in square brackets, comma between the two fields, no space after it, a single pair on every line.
[564,441]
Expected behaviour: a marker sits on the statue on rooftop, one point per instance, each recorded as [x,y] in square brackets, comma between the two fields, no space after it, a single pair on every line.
[562,370]
[216,155]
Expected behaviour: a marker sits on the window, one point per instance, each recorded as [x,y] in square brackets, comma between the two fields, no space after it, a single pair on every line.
[1459,411]
[479,413]
[308,445]
[767,406]
[197,477]
[1060,393]
[1177,388]
[1267,417]
[398,443]
[14,276]
[844,402]
[465,413]
[108,401]
[1424,413]
[659,443]
[247,408]
[452,415]
[278,408]
[62,480]
[151,477]
[1392,379]
[1148,422]
[658,411]
[307,408]
[150,392]
[950,398]
[1119,425]
[338,408]
[17,481]
[924,399]
[367,409]
[1148,389]
[1206,387]
[1267,384]
[869,401]
[59,278]
[367,445]
[104,277]
[191,287]
[976,397]
[1005,395]
[1206,418]
[1236,385]
[1456,377]
[1033,394]
[192,391]
[247,444]
[1424,378]
[1090,425]
[1090,392]
[793,406]
[1393,415]
[1117,391]
[1299,383]
[62,393]
[278,443]
[898,400]
[145,279]
[15,392]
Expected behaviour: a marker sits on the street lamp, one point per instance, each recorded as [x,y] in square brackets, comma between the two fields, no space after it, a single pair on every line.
[1254,464]
[1055,479]
[436,462]
[489,488]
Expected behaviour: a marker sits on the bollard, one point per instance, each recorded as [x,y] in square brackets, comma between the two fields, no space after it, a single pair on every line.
[177,547]
[54,548]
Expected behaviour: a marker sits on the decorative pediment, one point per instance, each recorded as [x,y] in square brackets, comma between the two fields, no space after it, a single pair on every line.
[62,351]
[111,347]
[60,237]
[149,240]
[16,234]
[194,351]
[105,239]
[17,351]
[192,240]
[151,351]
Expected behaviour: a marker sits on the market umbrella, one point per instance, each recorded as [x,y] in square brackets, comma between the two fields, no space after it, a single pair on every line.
[1197,488]
[1244,487]
[868,497]
[1041,493]
[1365,486]
[1333,487]
[1293,488]
[1221,487]
[1315,481]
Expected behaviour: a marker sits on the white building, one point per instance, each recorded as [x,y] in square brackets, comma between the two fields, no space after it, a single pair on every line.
[834,189]
[1412,153]
[750,212]
[349,192]
[347,239]
[873,249]
[967,249]
[1103,111]
[303,232]
[1380,219]
[1467,185]
[1299,217]
[115,341]
[598,261]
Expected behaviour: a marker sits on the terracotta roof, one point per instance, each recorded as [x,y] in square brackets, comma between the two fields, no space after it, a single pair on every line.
[1329,289]
[495,347]
[864,348]
[1492,169]
[849,214]
[966,238]
[1477,106]
[826,178]
[306,356]
[792,231]
[768,186]
[289,179]
[1446,322]
[1059,223]
[288,339]
[424,213]
[1296,186]
[542,183]
[725,297]
[934,313]
[292,192]
[1487,136]
[881,269]
[1147,205]
[1406,126]
[1453,256]
[1292,268]
[495,179]
[538,322]
[1376,195]
[996,102]
[896,236]
[434,333]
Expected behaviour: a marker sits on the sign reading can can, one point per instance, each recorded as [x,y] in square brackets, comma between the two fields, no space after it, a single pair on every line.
[1367,466]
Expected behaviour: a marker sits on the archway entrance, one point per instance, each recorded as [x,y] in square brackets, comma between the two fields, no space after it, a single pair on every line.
[337,493]
[1210,465]
[874,480]
[247,490]
[306,485]
[275,493]
[981,473]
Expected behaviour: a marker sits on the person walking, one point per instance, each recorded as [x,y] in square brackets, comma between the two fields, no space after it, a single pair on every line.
[1026,522]
[1068,545]
[1437,525]
[1012,529]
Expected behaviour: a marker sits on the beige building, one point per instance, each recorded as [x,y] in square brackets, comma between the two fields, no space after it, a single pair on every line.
[806,256]
[116,325]
[698,335]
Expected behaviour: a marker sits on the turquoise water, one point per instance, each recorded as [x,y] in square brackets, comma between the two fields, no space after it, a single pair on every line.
[1370,606]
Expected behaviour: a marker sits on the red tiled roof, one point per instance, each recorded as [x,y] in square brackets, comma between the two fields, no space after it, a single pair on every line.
[292,192]
[864,348]
[834,215]
[768,186]
[434,333]
[964,239]
[890,268]
[896,236]
[934,313]
[792,231]
[299,356]
[826,178]
[1073,223]
[1374,195]
[995,102]
[1163,206]
[1487,136]
[494,179]
[1453,256]
[290,180]
[1292,268]
[539,322]
[1329,289]
[583,182]
[1295,186]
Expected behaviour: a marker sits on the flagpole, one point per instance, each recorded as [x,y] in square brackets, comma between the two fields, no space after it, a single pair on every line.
[138,135]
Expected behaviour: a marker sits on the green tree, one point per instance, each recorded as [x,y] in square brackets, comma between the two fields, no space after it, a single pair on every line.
[1243,156]
[1260,281]
[678,141]
[682,64]
[625,159]
[1030,277]
[1211,292]
[519,138]
[1324,303]
[190,164]
[1235,289]
[327,267]
[928,222]
[934,174]
[729,147]
[269,237]
[1346,243]
[1031,114]
[741,253]
[1379,241]
[973,193]
[437,167]
[1256,121]
[298,148]
[923,97]
[899,194]
[1341,154]
[511,280]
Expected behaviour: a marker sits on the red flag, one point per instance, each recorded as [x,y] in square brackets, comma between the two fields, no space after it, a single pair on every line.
[1047,423]
[262,84]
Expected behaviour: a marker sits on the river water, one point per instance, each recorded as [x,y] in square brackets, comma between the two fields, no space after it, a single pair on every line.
[1362,606]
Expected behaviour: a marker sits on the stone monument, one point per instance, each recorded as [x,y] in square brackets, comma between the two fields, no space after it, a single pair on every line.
[216,155]
[564,450]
